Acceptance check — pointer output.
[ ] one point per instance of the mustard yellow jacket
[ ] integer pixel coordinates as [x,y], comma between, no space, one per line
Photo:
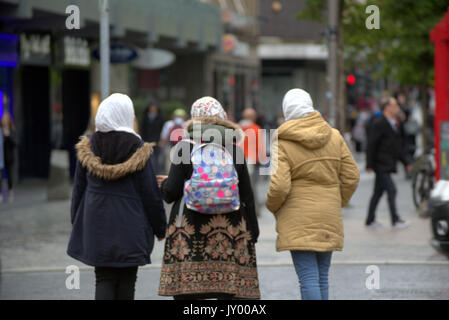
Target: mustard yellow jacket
[313,175]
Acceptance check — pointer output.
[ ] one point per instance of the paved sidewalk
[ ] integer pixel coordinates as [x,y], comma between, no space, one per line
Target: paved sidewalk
[34,234]
[347,282]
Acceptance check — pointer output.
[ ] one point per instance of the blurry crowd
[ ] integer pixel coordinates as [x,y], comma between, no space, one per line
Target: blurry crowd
[164,133]
[166,130]
[155,128]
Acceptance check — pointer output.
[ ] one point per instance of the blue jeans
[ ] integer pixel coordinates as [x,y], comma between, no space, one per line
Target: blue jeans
[312,269]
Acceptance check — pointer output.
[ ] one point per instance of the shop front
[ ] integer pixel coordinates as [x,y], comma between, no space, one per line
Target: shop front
[75,92]
[8,61]
[34,120]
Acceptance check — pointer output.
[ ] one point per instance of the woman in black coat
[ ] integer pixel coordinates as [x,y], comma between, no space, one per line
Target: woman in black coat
[209,255]
[116,204]
[150,130]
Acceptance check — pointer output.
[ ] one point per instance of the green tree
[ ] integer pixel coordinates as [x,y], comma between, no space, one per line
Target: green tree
[401,48]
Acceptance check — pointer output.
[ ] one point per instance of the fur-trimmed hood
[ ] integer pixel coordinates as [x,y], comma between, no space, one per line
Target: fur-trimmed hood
[116,171]
[239,133]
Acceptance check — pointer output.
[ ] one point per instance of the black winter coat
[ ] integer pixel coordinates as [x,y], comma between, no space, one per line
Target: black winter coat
[150,130]
[384,147]
[116,208]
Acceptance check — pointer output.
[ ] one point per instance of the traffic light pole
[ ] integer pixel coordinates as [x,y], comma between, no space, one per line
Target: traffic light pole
[333,60]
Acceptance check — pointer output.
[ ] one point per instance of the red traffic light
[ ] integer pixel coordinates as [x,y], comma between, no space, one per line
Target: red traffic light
[350,79]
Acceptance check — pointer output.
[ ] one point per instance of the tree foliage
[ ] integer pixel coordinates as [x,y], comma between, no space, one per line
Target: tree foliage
[400,48]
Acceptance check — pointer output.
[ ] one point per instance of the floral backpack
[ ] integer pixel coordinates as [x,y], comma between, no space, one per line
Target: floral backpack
[213,186]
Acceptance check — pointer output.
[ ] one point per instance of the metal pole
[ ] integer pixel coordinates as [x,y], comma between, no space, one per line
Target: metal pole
[104,47]
[333,60]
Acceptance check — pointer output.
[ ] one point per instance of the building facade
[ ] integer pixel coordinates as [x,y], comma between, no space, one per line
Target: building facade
[50,74]
[293,55]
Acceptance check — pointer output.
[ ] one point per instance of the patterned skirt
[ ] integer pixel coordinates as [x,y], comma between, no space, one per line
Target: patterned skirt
[209,256]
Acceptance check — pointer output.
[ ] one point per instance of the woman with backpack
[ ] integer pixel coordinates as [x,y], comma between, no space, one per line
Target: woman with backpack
[210,241]
[314,176]
[116,204]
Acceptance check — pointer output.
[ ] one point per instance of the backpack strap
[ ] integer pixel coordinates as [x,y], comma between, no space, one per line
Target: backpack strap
[182,203]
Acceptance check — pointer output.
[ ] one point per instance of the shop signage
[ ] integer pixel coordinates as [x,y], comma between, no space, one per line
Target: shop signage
[35,49]
[229,42]
[232,45]
[76,52]
[120,53]
[8,50]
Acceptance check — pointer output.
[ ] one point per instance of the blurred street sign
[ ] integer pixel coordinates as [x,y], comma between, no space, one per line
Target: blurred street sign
[119,53]
[232,45]
[152,58]
[229,42]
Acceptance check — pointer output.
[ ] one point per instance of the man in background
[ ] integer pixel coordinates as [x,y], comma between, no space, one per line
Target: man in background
[171,134]
[383,151]
[150,131]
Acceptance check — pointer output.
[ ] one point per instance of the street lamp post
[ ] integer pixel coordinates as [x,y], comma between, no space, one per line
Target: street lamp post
[104,47]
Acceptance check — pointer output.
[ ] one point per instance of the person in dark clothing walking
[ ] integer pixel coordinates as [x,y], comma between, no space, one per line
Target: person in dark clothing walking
[150,130]
[376,114]
[209,255]
[383,152]
[116,207]
[9,145]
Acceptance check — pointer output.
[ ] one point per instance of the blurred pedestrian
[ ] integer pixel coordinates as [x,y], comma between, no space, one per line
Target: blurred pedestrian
[265,138]
[150,130]
[9,149]
[116,204]
[409,129]
[280,119]
[172,133]
[173,129]
[313,176]
[376,113]
[253,147]
[384,150]
[210,255]
[359,132]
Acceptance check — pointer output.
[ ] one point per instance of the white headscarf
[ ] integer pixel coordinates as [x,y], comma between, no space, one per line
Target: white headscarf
[115,113]
[297,104]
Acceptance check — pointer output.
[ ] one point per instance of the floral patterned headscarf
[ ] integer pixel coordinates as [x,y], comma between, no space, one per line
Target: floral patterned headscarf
[208,107]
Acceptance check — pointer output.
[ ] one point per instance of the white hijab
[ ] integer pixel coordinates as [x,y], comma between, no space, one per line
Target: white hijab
[116,113]
[296,104]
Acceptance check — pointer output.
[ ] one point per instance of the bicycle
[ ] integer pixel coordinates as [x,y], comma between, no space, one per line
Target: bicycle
[423,177]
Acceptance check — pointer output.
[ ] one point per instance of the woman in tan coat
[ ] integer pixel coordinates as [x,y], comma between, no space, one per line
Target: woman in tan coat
[313,176]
